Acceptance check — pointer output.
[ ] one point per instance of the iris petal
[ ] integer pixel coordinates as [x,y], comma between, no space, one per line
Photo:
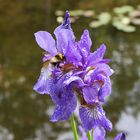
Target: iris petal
[96,56]
[84,45]
[121,136]
[65,38]
[90,94]
[99,133]
[46,42]
[65,101]
[94,116]
[44,81]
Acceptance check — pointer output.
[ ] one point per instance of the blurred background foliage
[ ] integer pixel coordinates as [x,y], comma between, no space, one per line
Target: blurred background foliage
[24,113]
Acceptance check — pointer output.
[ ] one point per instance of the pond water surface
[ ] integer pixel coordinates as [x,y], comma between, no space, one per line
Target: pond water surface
[24,114]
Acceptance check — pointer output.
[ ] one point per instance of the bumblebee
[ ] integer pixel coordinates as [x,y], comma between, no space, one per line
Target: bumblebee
[56,60]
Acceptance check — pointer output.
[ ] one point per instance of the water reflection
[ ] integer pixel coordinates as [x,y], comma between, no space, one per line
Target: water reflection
[24,113]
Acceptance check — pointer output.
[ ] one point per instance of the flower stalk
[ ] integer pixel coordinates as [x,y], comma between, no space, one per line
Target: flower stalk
[89,135]
[74,128]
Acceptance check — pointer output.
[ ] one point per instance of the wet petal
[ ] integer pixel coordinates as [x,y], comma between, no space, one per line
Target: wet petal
[65,38]
[46,42]
[84,45]
[96,56]
[94,116]
[99,133]
[65,105]
[121,136]
[73,54]
[44,81]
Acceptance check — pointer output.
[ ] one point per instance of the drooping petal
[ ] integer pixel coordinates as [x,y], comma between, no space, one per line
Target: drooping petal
[121,136]
[44,81]
[64,99]
[66,102]
[94,116]
[84,45]
[99,133]
[96,56]
[46,42]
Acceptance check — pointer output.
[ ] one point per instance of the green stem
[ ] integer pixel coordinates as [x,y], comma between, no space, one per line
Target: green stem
[74,129]
[92,138]
[88,135]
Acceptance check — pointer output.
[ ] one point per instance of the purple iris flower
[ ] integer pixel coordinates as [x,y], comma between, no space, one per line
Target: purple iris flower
[93,116]
[63,97]
[78,72]
[99,133]
[84,135]
[64,46]
[94,84]
[121,136]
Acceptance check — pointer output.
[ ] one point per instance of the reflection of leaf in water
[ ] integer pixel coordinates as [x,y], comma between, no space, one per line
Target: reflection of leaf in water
[125,20]
[95,24]
[138,7]
[59,19]
[104,17]
[135,17]
[76,12]
[123,27]
[123,9]
[88,13]
[59,13]
[136,21]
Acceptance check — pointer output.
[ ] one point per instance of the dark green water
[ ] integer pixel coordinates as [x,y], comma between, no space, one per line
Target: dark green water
[24,115]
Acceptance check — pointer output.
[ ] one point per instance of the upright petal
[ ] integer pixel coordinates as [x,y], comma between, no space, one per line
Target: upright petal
[73,54]
[121,136]
[96,56]
[64,38]
[84,45]
[94,116]
[46,42]
[99,133]
[65,25]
